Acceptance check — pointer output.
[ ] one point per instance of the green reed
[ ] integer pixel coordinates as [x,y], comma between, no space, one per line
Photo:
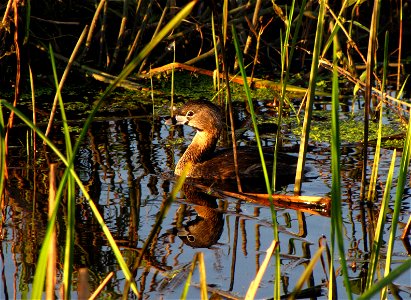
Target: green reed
[285,67]
[336,233]
[71,191]
[379,231]
[310,99]
[402,177]
[374,172]
[371,53]
[264,166]
[198,259]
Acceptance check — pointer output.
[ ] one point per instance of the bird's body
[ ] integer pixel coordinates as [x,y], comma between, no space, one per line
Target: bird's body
[206,163]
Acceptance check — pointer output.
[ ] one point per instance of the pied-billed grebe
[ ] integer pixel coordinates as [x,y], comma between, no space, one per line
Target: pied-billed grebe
[207,119]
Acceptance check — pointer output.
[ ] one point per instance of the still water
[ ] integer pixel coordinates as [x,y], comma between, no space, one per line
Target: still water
[127,165]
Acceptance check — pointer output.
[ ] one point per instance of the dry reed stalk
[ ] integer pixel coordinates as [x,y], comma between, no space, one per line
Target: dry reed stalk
[202,271]
[33,104]
[399,49]
[93,26]
[257,48]
[253,31]
[52,255]
[101,286]
[327,64]
[407,229]
[18,70]
[252,290]
[63,79]
[139,34]
[121,33]
[160,22]
[83,287]
[7,11]
[226,77]
[103,45]
[372,44]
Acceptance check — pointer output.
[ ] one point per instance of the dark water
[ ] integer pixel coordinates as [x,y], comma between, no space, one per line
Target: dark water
[127,165]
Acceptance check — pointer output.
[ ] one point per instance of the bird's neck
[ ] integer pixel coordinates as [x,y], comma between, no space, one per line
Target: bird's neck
[200,149]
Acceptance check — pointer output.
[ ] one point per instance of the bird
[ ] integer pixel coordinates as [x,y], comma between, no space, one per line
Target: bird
[203,161]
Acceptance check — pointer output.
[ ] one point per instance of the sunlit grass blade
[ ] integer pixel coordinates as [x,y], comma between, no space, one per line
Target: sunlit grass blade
[71,191]
[386,280]
[371,53]
[374,172]
[198,258]
[264,166]
[203,277]
[216,76]
[252,289]
[285,64]
[101,286]
[188,280]
[336,211]
[307,272]
[379,231]
[310,99]
[52,253]
[402,177]
[401,92]
[251,108]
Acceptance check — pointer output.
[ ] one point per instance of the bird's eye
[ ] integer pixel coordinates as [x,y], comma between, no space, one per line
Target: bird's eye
[190,113]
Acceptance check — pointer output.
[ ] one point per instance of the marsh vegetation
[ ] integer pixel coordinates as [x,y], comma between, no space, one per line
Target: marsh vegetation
[90,206]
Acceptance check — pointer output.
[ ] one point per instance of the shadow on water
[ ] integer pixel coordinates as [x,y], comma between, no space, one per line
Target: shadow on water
[126,164]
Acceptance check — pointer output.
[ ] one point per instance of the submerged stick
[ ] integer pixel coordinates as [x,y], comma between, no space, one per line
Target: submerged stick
[317,205]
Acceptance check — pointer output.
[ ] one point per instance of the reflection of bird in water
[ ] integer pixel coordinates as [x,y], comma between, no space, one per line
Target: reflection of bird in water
[206,229]
[207,119]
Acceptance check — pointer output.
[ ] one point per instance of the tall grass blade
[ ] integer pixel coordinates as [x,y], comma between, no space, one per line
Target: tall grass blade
[52,257]
[385,281]
[71,191]
[399,64]
[260,151]
[217,68]
[310,99]
[285,65]
[304,277]
[252,289]
[251,107]
[379,231]
[64,77]
[203,277]
[336,212]
[372,44]
[374,172]
[188,280]
[402,177]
